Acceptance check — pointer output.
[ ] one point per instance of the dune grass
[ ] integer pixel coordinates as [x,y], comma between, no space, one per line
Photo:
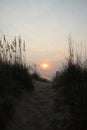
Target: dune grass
[14,78]
[73,81]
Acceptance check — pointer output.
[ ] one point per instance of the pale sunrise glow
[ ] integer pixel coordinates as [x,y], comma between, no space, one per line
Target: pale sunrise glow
[44,66]
[45,26]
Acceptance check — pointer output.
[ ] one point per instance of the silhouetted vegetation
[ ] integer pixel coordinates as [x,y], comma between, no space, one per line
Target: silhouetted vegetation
[37,76]
[14,77]
[72,81]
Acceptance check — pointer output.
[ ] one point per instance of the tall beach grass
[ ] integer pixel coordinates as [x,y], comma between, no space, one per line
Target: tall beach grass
[73,81]
[14,77]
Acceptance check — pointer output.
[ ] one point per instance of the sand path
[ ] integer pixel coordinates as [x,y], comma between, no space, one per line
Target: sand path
[35,111]
[43,109]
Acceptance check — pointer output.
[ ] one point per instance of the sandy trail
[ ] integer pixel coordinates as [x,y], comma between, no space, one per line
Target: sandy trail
[35,111]
[43,109]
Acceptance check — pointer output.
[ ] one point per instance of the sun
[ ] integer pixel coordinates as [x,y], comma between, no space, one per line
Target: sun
[44,66]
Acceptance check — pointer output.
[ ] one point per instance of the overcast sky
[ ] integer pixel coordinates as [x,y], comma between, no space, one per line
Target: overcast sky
[45,25]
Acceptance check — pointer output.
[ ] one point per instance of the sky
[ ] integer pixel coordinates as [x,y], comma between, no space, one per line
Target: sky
[45,26]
